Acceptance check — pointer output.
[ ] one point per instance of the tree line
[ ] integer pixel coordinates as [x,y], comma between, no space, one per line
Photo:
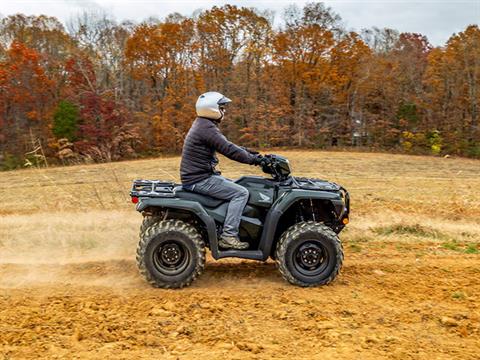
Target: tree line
[100,90]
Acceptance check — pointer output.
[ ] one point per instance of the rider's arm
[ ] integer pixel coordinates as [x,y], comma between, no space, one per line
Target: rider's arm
[220,143]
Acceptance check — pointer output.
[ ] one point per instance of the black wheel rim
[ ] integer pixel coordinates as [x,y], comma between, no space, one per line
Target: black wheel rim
[310,258]
[171,257]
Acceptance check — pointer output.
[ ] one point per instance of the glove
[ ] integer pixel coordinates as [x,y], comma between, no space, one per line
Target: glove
[258,160]
[261,161]
[265,161]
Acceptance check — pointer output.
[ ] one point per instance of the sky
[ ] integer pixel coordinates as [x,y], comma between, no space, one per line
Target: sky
[437,19]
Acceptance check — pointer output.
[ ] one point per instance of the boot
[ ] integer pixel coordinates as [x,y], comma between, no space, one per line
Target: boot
[232,242]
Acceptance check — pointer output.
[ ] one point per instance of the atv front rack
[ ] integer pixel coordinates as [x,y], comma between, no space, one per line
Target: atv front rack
[152,188]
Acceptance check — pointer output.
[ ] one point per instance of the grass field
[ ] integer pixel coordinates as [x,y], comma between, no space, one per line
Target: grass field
[409,288]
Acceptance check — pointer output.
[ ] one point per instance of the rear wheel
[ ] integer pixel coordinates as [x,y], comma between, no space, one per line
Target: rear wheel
[309,254]
[170,254]
[149,220]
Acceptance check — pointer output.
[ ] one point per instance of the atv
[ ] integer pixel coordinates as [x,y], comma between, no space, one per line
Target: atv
[293,220]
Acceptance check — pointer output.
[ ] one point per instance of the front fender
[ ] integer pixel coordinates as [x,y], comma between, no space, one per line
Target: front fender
[283,203]
[289,198]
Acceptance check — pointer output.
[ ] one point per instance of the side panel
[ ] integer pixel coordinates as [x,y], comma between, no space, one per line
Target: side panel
[250,225]
[261,190]
[219,212]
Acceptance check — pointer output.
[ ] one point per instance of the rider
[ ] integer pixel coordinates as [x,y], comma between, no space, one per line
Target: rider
[197,169]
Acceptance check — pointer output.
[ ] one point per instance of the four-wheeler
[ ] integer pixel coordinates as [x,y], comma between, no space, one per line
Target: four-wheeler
[293,220]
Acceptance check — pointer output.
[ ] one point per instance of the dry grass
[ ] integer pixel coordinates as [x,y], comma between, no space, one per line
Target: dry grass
[76,211]
[437,187]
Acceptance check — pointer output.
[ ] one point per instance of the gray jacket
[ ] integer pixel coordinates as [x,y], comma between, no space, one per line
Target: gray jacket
[198,156]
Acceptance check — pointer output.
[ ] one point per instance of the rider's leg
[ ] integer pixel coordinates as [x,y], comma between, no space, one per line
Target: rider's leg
[221,188]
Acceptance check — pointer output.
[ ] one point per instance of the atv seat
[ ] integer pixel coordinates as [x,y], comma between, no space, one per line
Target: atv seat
[205,200]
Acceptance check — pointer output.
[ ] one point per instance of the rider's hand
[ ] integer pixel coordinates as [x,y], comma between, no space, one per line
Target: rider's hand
[261,161]
[265,161]
[258,160]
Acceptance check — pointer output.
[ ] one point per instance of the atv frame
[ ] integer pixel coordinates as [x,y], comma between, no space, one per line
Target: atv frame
[151,203]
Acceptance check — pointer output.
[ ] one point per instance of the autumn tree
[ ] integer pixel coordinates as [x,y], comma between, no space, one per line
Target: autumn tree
[350,58]
[26,97]
[106,130]
[44,34]
[453,79]
[105,85]
[160,58]
[302,55]
[103,40]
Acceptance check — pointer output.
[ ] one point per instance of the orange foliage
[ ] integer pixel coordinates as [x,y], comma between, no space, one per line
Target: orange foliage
[308,83]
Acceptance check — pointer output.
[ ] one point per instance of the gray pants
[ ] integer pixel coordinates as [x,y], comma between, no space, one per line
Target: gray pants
[219,187]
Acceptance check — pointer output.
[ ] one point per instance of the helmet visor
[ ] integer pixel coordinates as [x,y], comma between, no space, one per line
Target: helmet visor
[224,100]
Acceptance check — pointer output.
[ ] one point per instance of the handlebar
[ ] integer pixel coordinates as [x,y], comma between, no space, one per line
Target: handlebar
[271,166]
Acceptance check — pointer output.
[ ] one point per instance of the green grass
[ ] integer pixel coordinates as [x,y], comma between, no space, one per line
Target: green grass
[472,249]
[451,245]
[405,229]
[459,295]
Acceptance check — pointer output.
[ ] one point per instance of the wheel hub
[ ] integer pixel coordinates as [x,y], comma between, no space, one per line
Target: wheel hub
[171,257]
[310,257]
[171,254]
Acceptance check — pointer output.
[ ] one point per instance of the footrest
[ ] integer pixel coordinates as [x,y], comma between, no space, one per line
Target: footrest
[243,254]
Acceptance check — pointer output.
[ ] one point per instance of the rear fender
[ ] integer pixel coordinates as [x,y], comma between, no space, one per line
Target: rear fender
[190,206]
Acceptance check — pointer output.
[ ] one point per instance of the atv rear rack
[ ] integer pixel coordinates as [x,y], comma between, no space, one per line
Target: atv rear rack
[152,188]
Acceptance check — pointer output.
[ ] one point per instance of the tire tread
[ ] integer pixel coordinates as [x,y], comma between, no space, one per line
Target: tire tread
[161,226]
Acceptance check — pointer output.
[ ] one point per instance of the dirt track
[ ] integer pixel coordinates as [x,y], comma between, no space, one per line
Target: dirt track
[409,288]
[380,306]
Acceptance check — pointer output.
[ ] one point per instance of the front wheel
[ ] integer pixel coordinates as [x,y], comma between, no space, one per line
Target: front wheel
[309,254]
[170,254]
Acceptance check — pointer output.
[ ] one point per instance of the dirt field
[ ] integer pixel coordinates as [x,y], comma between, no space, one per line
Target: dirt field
[409,289]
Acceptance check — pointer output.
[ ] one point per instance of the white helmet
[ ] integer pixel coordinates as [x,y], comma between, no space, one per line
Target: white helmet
[209,105]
